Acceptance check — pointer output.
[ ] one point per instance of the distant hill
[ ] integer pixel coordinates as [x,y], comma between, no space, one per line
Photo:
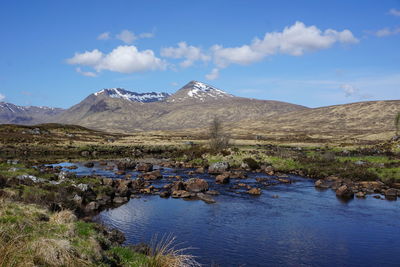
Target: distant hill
[193,106]
[362,120]
[28,115]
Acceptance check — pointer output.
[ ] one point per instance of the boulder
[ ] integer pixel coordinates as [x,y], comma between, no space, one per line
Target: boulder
[344,192]
[123,187]
[222,179]
[144,167]
[238,175]
[77,199]
[83,187]
[323,184]
[165,194]
[269,170]
[177,186]
[103,200]
[360,194]
[218,167]
[196,185]
[126,164]
[181,194]
[391,194]
[153,175]
[254,191]
[89,164]
[92,206]
[64,175]
[119,200]
[200,170]
[108,181]
[205,198]
[212,192]
[374,186]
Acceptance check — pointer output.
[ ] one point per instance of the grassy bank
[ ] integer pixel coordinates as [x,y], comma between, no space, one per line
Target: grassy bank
[41,225]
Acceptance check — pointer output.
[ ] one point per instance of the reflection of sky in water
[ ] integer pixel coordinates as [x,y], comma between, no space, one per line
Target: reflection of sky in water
[303,227]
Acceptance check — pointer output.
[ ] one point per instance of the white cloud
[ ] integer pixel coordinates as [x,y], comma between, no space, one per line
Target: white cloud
[294,40]
[129,37]
[104,36]
[126,36]
[349,90]
[387,32]
[88,58]
[394,12]
[2,97]
[174,84]
[124,59]
[85,73]
[128,59]
[190,53]
[214,74]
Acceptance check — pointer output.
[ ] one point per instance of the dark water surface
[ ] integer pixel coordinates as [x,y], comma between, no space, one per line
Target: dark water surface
[302,227]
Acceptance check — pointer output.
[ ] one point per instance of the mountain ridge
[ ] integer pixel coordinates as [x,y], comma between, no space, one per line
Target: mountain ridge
[194,105]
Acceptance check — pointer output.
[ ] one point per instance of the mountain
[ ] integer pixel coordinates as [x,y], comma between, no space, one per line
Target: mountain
[10,113]
[368,120]
[193,106]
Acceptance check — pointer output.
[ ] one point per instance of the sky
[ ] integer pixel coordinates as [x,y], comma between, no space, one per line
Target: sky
[307,52]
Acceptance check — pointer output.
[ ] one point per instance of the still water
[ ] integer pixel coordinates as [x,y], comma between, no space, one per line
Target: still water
[288,225]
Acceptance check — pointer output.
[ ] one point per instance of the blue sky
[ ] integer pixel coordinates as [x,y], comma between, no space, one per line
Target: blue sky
[313,53]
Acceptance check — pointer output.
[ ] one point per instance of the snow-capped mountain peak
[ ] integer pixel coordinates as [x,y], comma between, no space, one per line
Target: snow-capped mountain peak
[132,96]
[199,91]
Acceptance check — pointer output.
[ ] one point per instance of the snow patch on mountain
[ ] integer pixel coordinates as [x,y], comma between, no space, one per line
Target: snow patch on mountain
[132,96]
[202,90]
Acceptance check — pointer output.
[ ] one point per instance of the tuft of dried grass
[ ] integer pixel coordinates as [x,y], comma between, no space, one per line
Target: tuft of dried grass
[165,253]
[63,217]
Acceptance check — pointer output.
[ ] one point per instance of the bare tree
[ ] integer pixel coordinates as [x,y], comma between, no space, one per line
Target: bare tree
[218,138]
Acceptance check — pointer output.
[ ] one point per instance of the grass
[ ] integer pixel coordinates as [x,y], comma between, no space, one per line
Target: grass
[128,257]
[369,159]
[29,237]
[33,236]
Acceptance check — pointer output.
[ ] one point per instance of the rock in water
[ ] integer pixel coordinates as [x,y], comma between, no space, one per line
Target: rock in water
[126,164]
[254,191]
[391,194]
[196,185]
[144,167]
[218,167]
[206,198]
[344,192]
[222,179]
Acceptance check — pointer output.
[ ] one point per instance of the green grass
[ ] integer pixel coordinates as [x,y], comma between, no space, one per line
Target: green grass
[387,173]
[84,229]
[369,159]
[284,164]
[129,258]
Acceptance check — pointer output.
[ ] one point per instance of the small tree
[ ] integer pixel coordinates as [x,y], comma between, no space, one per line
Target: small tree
[218,138]
[397,123]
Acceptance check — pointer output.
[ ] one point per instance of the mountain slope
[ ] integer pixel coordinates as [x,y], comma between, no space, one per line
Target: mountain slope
[10,113]
[193,106]
[365,120]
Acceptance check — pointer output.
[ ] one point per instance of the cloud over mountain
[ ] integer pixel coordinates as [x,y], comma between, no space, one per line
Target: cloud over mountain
[124,59]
